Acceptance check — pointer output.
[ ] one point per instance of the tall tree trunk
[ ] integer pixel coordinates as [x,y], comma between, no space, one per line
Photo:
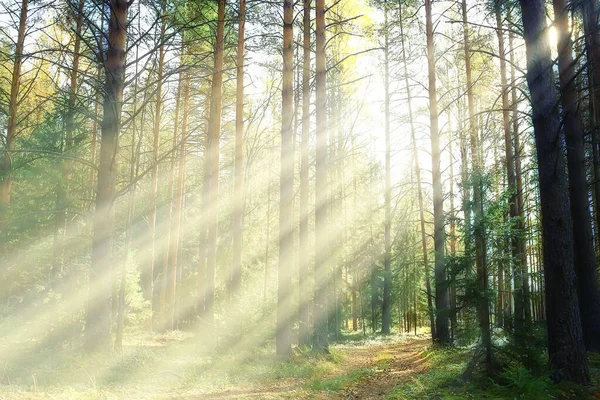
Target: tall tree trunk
[11,129]
[589,10]
[63,192]
[418,176]
[386,306]
[320,342]
[99,313]
[520,276]
[176,228]
[158,275]
[565,340]
[214,134]
[442,330]
[510,173]
[303,285]
[483,307]
[583,242]
[238,196]
[283,339]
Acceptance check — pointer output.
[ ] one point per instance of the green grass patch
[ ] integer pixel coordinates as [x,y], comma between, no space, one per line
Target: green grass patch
[442,381]
[338,382]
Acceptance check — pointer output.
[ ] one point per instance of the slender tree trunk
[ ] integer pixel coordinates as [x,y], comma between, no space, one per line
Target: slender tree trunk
[157,274]
[387,274]
[592,35]
[583,242]
[442,330]
[566,349]
[176,228]
[510,175]
[98,319]
[11,129]
[214,134]
[483,308]
[418,176]
[238,197]
[304,312]
[203,239]
[320,342]
[521,278]
[283,340]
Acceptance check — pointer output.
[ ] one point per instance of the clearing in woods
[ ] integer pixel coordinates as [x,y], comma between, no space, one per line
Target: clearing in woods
[173,366]
[366,370]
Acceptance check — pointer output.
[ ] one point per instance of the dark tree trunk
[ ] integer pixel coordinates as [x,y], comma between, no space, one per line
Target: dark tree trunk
[99,311]
[568,360]
[583,242]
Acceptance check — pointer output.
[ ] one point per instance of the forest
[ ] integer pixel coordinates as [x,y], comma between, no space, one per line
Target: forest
[347,199]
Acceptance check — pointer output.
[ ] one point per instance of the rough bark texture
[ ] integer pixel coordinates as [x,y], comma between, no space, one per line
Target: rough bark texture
[99,312]
[583,242]
[566,349]
[442,330]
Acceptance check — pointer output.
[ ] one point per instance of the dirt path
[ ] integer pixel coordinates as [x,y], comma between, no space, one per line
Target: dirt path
[388,364]
[392,363]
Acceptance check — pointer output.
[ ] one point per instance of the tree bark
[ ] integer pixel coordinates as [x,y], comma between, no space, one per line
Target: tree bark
[283,339]
[304,312]
[99,313]
[386,306]
[11,129]
[583,242]
[320,342]
[238,196]
[442,330]
[419,185]
[568,360]
[214,134]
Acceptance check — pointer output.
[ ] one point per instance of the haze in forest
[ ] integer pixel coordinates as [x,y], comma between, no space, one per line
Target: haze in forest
[299,199]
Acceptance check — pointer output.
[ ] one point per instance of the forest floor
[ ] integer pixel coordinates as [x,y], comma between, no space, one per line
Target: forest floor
[173,366]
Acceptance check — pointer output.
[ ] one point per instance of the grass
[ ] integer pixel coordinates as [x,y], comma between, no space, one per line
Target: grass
[445,366]
[159,366]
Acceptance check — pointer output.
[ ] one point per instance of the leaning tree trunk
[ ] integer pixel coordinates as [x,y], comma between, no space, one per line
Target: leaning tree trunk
[568,360]
[583,242]
[99,311]
[442,330]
